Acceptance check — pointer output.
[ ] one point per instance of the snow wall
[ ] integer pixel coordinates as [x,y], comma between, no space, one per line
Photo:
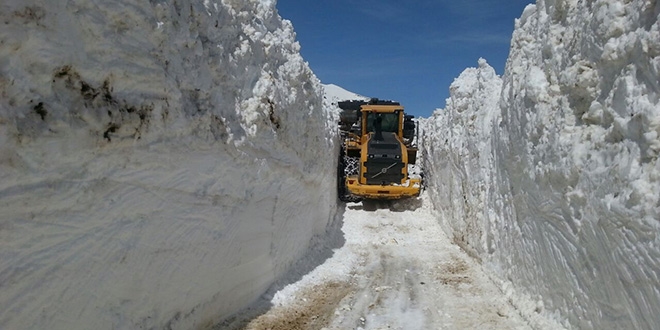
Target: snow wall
[161,162]
[550,174]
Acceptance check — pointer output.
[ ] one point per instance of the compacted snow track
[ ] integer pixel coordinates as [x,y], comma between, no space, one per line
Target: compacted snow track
[396,270]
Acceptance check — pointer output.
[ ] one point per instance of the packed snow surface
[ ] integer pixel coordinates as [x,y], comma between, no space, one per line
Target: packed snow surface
[161,163]
[397,269]
[550,175]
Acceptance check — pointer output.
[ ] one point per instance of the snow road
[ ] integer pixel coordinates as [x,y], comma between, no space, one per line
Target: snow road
[396,270]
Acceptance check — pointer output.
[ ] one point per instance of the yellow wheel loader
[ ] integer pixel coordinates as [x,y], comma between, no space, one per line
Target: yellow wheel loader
[378,152]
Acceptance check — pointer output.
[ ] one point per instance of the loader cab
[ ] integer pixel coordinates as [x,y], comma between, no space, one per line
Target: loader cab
[382,119]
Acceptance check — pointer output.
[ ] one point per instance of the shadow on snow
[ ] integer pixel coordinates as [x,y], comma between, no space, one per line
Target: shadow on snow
[402,205]
[321,249]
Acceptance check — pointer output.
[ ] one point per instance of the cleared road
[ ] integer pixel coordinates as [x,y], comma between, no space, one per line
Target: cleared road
[396,270]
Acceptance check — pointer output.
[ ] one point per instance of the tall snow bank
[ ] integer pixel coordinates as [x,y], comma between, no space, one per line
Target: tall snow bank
[457,153]
[559,188]
[161,163]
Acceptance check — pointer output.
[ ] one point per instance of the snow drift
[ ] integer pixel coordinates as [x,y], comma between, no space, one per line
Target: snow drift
[161,163]
[558,188]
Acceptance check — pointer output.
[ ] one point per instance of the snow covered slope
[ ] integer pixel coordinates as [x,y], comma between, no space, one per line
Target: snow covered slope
[161,163]
[558,188]
[334,93]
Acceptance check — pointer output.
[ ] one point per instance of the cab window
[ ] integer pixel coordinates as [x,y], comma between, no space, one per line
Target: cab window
[389,121]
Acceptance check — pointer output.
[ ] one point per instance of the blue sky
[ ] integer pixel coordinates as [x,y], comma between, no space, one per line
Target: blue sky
[408,51]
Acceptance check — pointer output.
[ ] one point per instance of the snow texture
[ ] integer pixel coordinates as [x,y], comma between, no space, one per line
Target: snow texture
[550,175]
[161,163]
